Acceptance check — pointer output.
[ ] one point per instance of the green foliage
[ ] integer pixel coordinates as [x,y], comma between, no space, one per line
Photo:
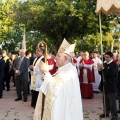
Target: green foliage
[91,41]
[9,30]
[53,20]
[59,19]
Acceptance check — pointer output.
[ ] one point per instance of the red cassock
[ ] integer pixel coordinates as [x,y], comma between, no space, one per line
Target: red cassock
[87,79]
[74,60]
[116,60]
[75,63]
[51,61]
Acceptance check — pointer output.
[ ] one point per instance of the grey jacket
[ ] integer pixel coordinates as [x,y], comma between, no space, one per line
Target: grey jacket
[23,68]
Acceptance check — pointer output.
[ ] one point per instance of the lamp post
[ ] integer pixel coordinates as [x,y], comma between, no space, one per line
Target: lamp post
[24,38]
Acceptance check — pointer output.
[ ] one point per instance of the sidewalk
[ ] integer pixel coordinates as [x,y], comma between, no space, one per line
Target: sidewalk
[92,108]
[12,110]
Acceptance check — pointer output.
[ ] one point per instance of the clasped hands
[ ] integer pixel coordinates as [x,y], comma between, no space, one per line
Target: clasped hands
[100,66]
[17,72]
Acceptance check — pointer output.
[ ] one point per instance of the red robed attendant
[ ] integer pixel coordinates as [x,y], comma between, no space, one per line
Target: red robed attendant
[86,76]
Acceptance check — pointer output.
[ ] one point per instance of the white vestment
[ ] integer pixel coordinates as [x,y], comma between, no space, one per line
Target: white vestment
[62,96]
[78,64]
[85,67]
[36,76]
[97,75]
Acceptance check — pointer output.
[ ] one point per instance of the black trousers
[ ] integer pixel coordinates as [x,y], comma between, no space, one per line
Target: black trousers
[13,78]
[6,79]
[34,97]
[24,84]
[29,81]
[1,87]
[110,105]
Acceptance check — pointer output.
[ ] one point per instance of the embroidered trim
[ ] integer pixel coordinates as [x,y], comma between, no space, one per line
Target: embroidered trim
[50,97]
[34,75]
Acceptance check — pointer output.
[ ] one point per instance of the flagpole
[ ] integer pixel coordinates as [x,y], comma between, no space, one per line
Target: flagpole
[104,102]
[101,34]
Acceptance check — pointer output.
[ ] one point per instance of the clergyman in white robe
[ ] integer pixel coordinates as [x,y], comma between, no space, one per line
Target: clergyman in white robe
[62,96]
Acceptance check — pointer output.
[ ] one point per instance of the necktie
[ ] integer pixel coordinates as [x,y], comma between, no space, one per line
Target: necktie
[20,61]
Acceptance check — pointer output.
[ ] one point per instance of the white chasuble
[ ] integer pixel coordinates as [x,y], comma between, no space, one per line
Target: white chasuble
[62,96]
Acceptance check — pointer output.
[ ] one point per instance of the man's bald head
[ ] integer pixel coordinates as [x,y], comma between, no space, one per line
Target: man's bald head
[22,53]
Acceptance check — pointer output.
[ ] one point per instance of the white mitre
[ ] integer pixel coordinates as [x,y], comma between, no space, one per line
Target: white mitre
[66,47]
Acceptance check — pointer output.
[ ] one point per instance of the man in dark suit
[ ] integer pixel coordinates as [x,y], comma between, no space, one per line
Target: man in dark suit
[6,77]
[31,59]
[20,67]
[109,72]
[2,65]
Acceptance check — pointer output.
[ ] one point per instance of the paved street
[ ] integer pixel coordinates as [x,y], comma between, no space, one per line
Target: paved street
[11,110]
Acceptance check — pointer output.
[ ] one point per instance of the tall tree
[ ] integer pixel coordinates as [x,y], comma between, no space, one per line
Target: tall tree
[60,19]
[51,20]
[9,30]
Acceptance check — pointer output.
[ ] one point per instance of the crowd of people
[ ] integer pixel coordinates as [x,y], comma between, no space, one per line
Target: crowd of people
[66,78]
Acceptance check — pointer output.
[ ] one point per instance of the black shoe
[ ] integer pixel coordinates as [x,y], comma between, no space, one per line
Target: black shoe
[97,92]
[17,99]
[103,115]
[32,105]
[118,111]
[25,100]
[114,119]
[0,97]
[8,90]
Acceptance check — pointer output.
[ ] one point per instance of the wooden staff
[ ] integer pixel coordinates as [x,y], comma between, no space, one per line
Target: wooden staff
[45,45]
[43,96]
